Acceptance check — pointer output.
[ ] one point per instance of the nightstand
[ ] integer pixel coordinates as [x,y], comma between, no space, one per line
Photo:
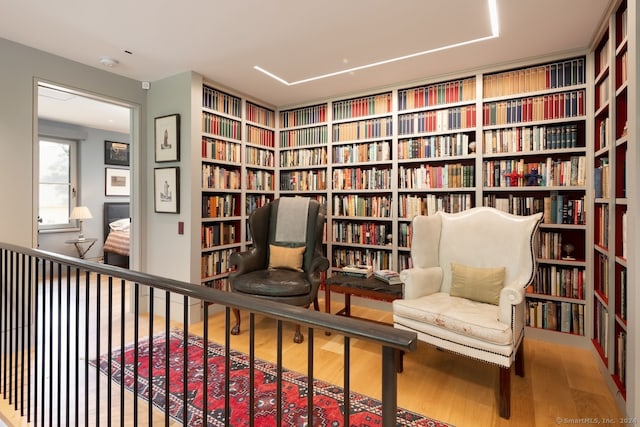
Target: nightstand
[82,245]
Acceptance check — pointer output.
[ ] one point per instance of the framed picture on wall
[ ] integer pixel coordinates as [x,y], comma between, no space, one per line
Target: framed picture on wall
[166,189]
[167,137]
[117,182]
[116,153]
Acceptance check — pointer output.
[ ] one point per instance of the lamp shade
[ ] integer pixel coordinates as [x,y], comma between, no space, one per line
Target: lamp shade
[81,212]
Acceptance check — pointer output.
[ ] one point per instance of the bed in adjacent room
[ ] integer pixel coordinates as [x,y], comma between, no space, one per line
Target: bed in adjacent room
[117,223]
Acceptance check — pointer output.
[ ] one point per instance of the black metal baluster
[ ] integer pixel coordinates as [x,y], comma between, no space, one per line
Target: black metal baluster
[136,325]
[205,366]
[21,321]
[279,373]
[9,331]
[185,361]
[389,386]
[50,347]
[150,392]
[122,370]
[87,294]
[347,387]
[77,348]
[227,366]
[58,347]
[252,370]
[3,336]
[36,346]
[109,345]
[27,343]
[67,355]
[310,375]
[167,348]
[98,310]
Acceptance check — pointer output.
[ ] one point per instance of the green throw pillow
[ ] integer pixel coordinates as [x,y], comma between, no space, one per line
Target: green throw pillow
[477,284]
[285,257]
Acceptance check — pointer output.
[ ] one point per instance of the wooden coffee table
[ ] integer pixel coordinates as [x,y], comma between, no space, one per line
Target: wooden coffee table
[360,287]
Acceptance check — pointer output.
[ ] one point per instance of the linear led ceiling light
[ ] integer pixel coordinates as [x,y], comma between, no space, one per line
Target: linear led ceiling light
[495,32]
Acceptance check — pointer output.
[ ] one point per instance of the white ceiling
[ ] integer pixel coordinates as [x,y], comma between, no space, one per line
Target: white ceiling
[297,40]
[68,107]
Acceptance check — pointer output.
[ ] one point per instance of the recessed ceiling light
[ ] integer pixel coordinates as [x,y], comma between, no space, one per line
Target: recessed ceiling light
[495,32]
[108,62]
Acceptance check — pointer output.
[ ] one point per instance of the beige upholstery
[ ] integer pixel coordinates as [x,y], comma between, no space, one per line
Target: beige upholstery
[480,237]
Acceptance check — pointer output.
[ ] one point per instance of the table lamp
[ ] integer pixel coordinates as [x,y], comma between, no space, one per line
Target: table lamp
[81,213]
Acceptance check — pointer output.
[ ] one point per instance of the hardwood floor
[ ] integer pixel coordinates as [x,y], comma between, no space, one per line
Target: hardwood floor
[560,383]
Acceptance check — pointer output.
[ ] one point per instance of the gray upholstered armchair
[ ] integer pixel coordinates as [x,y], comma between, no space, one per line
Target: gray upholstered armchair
[286,259]
[465,292]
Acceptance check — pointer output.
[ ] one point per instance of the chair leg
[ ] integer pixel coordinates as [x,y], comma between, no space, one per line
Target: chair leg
[520,360]
[236,328]
[316,305]
[505,392]
[298,337]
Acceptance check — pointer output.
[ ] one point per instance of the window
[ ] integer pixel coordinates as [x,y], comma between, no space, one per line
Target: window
[57,180]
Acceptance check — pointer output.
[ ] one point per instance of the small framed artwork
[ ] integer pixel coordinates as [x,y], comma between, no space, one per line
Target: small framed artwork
[167,136]
[166,189]
[117,182]
[116,153]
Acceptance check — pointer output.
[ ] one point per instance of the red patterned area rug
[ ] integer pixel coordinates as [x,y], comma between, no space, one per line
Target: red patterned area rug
[328,410]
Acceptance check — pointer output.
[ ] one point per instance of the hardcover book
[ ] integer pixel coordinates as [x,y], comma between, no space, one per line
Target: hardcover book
[357,270]
[390,277]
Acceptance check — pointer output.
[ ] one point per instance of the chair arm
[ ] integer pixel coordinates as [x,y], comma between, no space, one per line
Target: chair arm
[245,262]
[510,295]
[421,281]
[319,264]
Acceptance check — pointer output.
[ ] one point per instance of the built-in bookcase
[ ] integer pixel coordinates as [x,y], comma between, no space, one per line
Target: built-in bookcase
[221,227]
[303,152]
[435,154]
[259,157]
[611,144]
[238,175]
[534,159]
[303,157]
[361,214]
[552,136]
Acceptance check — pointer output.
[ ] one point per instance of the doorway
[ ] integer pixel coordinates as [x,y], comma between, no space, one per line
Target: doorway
[84,155]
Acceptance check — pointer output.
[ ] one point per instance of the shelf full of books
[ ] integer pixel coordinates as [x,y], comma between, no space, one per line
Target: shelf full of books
[612,144]
[238,174]
[534,159]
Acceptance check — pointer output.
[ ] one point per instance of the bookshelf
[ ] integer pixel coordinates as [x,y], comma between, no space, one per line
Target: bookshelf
[238,175]
[534,159]
[259,165]
[611,148]
[221,167]
[377,159]
[361,215]
[303,152]
[436,153]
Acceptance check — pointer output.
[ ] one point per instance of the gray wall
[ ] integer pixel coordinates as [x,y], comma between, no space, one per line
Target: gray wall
[21,66]
[174,252]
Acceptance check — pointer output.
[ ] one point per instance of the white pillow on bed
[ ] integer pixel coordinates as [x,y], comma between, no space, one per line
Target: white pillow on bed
[120,225]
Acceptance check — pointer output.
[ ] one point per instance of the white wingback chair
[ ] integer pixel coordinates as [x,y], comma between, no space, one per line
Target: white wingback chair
[465,292]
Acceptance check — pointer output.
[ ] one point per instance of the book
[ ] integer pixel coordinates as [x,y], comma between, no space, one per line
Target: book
[390,277]
[357,270]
